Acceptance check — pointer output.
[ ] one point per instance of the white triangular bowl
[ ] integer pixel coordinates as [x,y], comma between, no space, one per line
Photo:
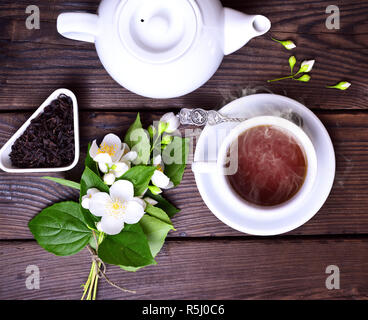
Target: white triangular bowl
[5,162]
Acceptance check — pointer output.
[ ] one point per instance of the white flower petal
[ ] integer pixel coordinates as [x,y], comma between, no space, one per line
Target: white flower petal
[117,156]
[86,198]
[122,190]
[169,186]
[120,168]
[133,212]
[98,226]
[103,158]
[130,156]
[112,140]
[92,191]
[98,203]
[109,178]
[111,224]
[172,120]
[141,202]
[104,167]
[159,179]
[151,201]
[85,202]
[125,148]
[157,160]
[93,149]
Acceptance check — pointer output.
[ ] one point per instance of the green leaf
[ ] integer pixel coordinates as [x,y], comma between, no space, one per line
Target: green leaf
[140,176]
[61,229]
[304,78]
[90,163]
[137,124]
[158,213]
[156,231]
[64,182]
[292,62]
[129,248]
[139,141]
[163,204]
[91,180]
[175,159]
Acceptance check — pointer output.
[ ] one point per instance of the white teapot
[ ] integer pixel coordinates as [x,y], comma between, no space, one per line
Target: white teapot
[162,48]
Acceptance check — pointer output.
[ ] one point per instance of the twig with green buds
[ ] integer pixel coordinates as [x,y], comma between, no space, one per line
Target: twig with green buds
[305,67]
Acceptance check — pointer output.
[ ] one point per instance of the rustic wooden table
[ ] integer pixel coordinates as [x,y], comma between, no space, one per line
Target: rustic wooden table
[203,259]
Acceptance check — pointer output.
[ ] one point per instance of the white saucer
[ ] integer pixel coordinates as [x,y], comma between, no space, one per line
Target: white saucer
[208,145]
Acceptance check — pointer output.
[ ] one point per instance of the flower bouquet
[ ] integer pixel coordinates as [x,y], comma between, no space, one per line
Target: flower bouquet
[121,217]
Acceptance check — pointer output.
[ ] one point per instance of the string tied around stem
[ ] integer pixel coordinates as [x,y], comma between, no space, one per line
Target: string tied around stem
[101,272]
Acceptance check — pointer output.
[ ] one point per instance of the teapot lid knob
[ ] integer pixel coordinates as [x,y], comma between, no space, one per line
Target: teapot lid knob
[158,31]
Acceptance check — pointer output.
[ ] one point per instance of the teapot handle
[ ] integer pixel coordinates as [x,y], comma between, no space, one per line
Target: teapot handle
[78,26]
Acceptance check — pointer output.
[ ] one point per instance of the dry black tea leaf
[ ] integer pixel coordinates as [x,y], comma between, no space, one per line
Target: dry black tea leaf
[48,142]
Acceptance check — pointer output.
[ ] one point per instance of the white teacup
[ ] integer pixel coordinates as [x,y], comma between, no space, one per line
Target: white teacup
[221,169]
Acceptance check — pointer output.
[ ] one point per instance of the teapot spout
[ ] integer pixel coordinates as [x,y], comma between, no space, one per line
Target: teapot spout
[239,28]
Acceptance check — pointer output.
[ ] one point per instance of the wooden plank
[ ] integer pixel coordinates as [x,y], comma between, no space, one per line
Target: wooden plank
[222,269]
[345,212]
[53,61]
[286,15]
[306,16]
[17,9]
[14,31]
[52,66]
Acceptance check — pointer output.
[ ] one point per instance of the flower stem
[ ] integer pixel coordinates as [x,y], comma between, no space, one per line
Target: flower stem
[94,277]
[283,78]
[95,286]
[90,288]
[155,142]
[86,285]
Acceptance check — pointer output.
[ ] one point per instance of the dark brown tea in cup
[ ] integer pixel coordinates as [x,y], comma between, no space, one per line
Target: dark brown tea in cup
[271,166]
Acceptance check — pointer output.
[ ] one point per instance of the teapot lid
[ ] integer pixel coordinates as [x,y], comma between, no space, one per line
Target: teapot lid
[158,31]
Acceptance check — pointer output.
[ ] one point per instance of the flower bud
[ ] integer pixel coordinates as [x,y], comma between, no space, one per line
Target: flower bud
[307,66]
[344,85]
[109,178]
[150,201]
[172,122]
[155,190]
[288,44]
[152,131]
[166,139]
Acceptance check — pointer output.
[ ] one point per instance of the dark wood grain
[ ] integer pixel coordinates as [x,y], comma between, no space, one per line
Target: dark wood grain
[203,259]
[52,66]
[286,15]
[23,196]
[44,57]
[238,269]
